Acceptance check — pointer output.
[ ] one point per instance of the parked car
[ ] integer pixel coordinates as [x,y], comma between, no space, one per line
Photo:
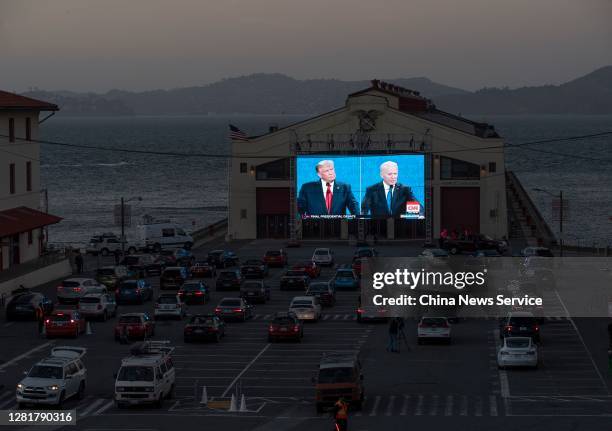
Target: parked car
[54,379]
[72,290]
[372,313]
[345,279]
[134,291]
[27,306]
[295,280]
[194,292]
[365,252]
[255,291]
[163,235]
[202,269]
[229,279]
[324,291]
[222,258]
[173,277]
[111,276]
[234,308]
[433,329]
[323,257]
[65,323]
[276,258]
[285,326]
[111,245]
[517,352]
[141,265]
[311,268]
[204,327]
[98,305]
[169,305]
[135,325]
[473,243]
[306,308]
[254,268]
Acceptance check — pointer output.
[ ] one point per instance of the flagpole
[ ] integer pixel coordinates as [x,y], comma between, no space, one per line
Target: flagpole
[229,188]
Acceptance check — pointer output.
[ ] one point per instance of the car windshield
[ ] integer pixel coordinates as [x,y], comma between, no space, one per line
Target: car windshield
[61,317]
[517,344]
[199,320]
[129,286]
[294,273]
[336,375]
[318,288]
[167,300]
[252,286]
[301,304]
[172,273]
[433,321]
[106,271]
[283,321]
[227,275]
[70,284]
[216,253]
[253,262]
[24,299]
[344,274]
[129,319]
[321,252]
[136,374]
[45,372]
[90,300]
[522,321]
[191,287]
[272,253]
[230,303]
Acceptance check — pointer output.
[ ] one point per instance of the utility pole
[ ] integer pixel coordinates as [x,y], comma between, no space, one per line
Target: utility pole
[561,223]
[122,227]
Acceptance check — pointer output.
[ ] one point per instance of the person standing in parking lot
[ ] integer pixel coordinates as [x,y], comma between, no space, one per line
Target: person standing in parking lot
[78,260]
[393,330]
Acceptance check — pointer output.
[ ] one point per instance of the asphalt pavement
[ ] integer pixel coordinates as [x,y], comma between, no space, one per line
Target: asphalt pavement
[434,386]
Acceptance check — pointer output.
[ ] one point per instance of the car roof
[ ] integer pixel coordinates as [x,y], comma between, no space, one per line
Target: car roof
[520,314]
[322,249]
[94,295]
[338,359]
[131,314]
[302,298]
[233,298]
[434,317]
[173,268]
[79,279]
[55,361]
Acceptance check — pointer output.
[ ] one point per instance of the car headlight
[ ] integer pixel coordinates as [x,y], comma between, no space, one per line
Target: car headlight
[53,388]
[19,386]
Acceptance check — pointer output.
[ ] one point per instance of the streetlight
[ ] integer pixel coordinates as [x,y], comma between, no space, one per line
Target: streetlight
[123,201]
[560,197]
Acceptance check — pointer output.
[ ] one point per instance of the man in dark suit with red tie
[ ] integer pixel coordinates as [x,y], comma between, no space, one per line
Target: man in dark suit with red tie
[326,196]
[387,198]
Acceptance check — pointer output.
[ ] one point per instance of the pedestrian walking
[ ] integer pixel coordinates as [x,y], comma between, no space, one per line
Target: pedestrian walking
[78,260]
[401,334]
[393,330]
[341,415]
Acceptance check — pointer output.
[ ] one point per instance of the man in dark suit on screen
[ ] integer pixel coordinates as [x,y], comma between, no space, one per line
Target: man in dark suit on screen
[326,196]
[388,198]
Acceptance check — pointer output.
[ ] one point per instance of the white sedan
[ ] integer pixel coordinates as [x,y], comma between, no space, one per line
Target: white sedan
[306,308]
[517,352]
[434,328]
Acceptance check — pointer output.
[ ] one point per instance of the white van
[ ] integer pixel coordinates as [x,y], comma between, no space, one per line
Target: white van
[147,376]
[163,235]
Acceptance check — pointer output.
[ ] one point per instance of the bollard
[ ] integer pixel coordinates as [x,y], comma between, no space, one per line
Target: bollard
[88,331]
[243,407]
[233,407]
[204,399]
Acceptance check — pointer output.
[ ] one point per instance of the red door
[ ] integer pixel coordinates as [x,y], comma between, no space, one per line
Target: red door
[460,208]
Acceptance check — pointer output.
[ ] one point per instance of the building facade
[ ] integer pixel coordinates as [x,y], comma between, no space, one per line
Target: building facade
[464,168]
[22,217]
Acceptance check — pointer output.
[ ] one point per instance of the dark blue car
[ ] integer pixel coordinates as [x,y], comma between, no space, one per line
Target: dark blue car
[134,292]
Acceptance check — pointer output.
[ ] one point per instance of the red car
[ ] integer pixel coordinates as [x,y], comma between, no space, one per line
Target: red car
[285,326]
[135,325]
[65,323]
[357,265]
[275,258]
[311,268]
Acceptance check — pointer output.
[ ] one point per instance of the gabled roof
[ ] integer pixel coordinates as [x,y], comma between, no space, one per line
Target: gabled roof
[12,101]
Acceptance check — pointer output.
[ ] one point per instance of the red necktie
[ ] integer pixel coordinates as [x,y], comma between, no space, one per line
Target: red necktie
[328,198]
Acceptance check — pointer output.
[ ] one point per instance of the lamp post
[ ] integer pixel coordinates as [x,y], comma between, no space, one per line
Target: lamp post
[123,201]
[560,197]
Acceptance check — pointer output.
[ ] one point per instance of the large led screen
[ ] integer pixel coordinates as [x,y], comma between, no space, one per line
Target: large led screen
[372,186]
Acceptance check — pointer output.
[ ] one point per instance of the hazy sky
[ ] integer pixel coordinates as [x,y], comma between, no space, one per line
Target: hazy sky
[146,44]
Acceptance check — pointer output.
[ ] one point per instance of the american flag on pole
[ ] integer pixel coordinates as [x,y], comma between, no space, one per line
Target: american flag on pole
[236,134]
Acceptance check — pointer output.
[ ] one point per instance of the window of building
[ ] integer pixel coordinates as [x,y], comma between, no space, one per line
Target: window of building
[453,169]
[243,168]
[29,176]
[28,127]
[492,167]
[11,130]
[29,237]
[12,178]
[275,170]
[243,213]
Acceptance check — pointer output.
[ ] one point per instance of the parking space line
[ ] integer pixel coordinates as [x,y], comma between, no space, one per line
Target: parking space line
[267,346]
[448,409]
[390,405]
[478,408]
[92,407]
[419,406]
[433,409]
[492,405]
[25,355]
[464,406]
[405,405]
[104,408]
[375,406]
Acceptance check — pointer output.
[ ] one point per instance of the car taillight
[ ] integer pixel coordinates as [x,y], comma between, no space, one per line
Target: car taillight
[237,310]
[508,328]
[47,321]
[217,310]
[199,293]
[536,328]
[421,325]
[445,325]
[296,328]
[71,320]
[359,310]
[76,289]
[271,328]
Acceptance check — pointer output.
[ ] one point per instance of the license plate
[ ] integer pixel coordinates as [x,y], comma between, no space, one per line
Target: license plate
[60,323]
[283,329]
[523,328]
[251,293]
[198,331]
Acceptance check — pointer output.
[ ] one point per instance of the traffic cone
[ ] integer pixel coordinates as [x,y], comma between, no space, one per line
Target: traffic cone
[43,331]
[243,407]
[204,399]
[88,331]
[233,407]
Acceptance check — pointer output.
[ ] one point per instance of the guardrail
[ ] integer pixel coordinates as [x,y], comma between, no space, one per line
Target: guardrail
[48,258]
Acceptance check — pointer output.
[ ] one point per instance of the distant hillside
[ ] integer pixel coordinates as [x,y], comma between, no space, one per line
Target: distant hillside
[279,94]
[590,94]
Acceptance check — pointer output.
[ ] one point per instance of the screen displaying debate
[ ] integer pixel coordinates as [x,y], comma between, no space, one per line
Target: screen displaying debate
[369,186]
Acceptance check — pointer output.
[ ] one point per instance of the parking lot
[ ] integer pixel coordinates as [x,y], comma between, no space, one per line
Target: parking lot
[433,382]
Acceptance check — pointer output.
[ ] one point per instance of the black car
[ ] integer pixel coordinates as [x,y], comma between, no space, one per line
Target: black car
[27,306]
[222,258]
[365,252]
[142,265]
[520,324]
[324,291]
[230,279]
[173,277]
[194,292]
[254,268]
[204,327]
[255,291]
[472,243]
[295,280]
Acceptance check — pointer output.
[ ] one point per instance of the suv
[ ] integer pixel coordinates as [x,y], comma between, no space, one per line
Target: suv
[340,375]
[147,376]
[111,276]
[170,305]
[230,279]
[54,379]
[173,277]
[323,256]
[100,305]
[106,246]
[73,289]
[275,258]
[222,258]
[141,265]
[520,324]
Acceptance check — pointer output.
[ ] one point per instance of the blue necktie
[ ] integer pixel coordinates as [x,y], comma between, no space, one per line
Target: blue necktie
[389,197]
